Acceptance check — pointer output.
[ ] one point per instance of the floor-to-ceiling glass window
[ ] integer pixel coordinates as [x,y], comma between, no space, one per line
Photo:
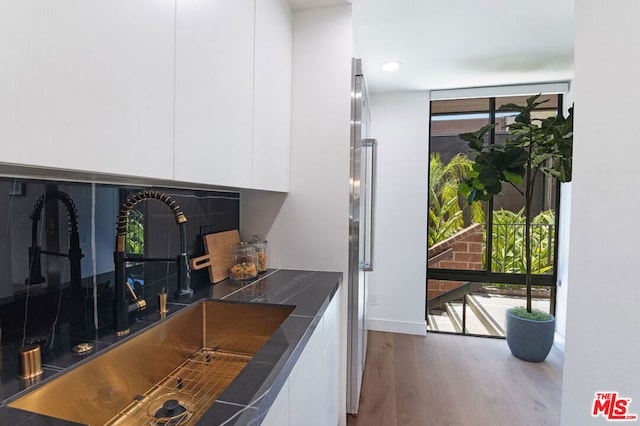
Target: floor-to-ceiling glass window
[476,266]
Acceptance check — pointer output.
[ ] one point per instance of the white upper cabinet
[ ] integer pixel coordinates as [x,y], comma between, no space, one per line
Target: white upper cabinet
[272,95]
[233,93]
[184,90]
[88,85]
[214,92]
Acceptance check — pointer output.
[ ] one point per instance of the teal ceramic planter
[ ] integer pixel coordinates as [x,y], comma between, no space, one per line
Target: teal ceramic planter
[530,340]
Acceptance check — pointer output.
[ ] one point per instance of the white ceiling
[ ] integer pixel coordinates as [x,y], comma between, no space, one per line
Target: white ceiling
[447,44]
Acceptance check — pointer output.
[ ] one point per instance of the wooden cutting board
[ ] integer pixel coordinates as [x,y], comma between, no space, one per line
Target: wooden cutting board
[219,254]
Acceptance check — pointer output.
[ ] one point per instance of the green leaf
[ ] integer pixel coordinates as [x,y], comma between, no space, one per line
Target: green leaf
[476,139]
[514,178]
[464,188]
[551,172]
[494,189]
[516,156]
[488,177]
[540,159]
[477,184]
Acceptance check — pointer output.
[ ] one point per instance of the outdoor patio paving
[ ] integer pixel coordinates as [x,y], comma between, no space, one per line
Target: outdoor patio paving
[490,308]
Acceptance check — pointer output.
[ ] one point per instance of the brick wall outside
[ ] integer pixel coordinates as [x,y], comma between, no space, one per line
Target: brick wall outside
[466,254]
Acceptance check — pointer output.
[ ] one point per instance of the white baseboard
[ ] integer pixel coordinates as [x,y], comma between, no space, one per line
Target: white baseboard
[404,327]
[558,342]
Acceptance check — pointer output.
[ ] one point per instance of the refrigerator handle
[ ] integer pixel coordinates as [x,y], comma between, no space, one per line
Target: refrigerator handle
[373,144]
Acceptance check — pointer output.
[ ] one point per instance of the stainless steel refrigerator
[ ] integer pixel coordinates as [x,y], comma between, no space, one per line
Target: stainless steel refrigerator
[361,225]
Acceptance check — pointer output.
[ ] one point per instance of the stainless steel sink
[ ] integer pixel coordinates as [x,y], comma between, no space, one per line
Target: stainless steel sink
[169,374]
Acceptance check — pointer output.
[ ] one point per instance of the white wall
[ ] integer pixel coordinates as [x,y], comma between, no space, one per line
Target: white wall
[602,341]
[400,122]
[309,227]
[562,287]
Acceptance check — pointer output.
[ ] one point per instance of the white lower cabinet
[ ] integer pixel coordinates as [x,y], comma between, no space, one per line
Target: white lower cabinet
[278,414]
[331,357]
[306,384]
[310,395]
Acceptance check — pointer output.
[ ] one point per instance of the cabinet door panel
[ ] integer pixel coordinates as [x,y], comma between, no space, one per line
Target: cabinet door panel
[278,414]
[214,91]
[88,85]
[306,384]
[311,394]
[332,381]
[272,95]
[331,360]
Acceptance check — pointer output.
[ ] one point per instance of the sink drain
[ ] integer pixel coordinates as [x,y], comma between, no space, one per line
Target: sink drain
[170,409]
[171,413]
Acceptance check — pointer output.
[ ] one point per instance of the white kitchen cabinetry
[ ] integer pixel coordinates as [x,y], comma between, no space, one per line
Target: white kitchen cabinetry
[331,362]
[311,393]
[306,384]
[272,95]
[214,92]
[233,93]
[278,414]
[191,91]
[88,85]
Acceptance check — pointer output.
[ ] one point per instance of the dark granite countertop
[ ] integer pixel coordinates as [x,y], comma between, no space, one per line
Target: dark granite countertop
[249,397]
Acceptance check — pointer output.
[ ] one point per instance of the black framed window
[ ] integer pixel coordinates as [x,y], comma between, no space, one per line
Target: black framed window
[477,248]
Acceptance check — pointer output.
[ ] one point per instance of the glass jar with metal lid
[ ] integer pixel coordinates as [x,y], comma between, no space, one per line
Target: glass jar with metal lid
[260,246]
[245,262]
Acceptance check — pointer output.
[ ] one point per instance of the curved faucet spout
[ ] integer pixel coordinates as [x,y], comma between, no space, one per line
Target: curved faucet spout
[137,198]
[74,254]
[121,306]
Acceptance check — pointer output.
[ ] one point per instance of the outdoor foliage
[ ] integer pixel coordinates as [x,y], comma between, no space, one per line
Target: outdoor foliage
[446,208]
[135,233]
[508,242]
[533,146]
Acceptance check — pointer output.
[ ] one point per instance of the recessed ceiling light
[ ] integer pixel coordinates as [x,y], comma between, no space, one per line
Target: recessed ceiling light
[390,66]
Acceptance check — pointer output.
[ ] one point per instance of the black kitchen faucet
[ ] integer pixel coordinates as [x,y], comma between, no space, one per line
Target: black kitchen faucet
[121,307]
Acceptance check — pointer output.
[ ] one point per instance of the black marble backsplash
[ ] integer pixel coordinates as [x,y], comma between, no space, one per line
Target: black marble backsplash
[41,294]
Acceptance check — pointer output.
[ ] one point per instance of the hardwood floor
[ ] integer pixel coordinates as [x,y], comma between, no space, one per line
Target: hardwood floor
[455,380]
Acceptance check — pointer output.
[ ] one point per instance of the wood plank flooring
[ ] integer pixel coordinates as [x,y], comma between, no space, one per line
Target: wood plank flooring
[443,379]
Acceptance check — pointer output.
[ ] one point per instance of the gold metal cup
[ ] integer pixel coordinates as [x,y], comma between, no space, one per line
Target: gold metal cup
[30,361]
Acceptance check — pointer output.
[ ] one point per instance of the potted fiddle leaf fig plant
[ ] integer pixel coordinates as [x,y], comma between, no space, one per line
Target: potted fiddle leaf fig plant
[533,146]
